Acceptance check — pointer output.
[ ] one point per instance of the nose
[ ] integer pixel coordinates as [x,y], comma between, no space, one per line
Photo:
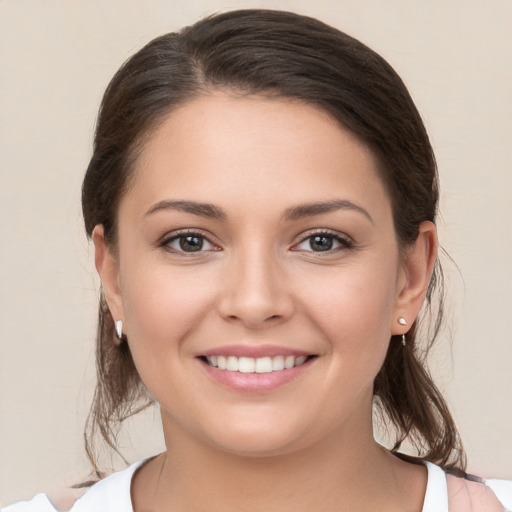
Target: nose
[255,291]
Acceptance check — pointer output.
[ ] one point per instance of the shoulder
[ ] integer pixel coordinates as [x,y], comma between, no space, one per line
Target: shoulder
[56,501]
[111,494]
[40,503]
[468,496]
[475,496]
[449,493]
[486,495]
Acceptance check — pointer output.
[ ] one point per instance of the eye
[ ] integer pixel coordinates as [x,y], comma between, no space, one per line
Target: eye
[189,242]
[323,242]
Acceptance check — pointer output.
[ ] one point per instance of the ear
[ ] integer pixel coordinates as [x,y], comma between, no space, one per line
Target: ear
[107,266]
[417,267]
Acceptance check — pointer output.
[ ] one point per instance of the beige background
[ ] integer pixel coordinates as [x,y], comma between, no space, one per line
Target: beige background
[56,57]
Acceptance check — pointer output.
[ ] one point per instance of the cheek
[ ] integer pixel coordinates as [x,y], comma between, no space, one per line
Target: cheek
[162,306]
[353,309]
[357,300]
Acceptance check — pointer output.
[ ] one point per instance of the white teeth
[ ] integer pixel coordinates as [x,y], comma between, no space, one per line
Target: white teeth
[232,364]
[255,365]
[289,362]
[246,364]
[277,363]
[263,365]
[300,360]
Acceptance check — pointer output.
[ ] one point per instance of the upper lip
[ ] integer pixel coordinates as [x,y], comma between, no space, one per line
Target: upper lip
[254,351]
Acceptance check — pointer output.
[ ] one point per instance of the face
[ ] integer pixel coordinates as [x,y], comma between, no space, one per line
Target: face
[258,274]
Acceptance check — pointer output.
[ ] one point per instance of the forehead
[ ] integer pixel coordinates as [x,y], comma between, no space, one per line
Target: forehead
[220,146]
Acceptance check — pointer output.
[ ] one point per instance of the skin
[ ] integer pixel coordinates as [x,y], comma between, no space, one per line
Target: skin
[308,444]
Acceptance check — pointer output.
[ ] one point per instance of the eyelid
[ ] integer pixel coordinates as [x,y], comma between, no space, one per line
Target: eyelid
[174,235]
[345,241]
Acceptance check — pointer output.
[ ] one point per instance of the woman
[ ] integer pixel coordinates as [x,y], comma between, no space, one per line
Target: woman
[262,200]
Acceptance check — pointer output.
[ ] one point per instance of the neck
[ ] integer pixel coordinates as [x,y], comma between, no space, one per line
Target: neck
[334,474]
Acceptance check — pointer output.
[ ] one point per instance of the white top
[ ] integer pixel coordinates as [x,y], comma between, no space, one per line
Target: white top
[112,494]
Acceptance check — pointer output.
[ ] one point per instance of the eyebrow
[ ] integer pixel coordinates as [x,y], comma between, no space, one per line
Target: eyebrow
[319,208]
[201,209]
[294,213]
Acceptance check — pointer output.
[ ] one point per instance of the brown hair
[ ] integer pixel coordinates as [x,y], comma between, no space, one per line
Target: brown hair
[276,54]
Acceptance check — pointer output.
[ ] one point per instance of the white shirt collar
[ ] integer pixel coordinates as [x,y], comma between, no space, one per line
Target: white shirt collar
[436,495]
[114,492]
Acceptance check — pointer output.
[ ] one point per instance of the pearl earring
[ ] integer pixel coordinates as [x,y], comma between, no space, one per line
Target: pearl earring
[402,321]
[119,329]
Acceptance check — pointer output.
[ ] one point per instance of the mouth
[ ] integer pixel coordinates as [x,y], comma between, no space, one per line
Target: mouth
[256,369]
[266,364]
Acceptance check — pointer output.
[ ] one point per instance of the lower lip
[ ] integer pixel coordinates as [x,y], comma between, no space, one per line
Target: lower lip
[255,382]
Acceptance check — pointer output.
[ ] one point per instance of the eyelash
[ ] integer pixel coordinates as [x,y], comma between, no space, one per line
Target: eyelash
[343,241]
[165,243]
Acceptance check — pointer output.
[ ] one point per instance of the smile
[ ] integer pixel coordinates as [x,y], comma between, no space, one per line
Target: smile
[255,365]
[258,370]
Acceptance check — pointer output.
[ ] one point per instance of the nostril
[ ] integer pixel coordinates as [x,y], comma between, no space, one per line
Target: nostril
[254,308]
